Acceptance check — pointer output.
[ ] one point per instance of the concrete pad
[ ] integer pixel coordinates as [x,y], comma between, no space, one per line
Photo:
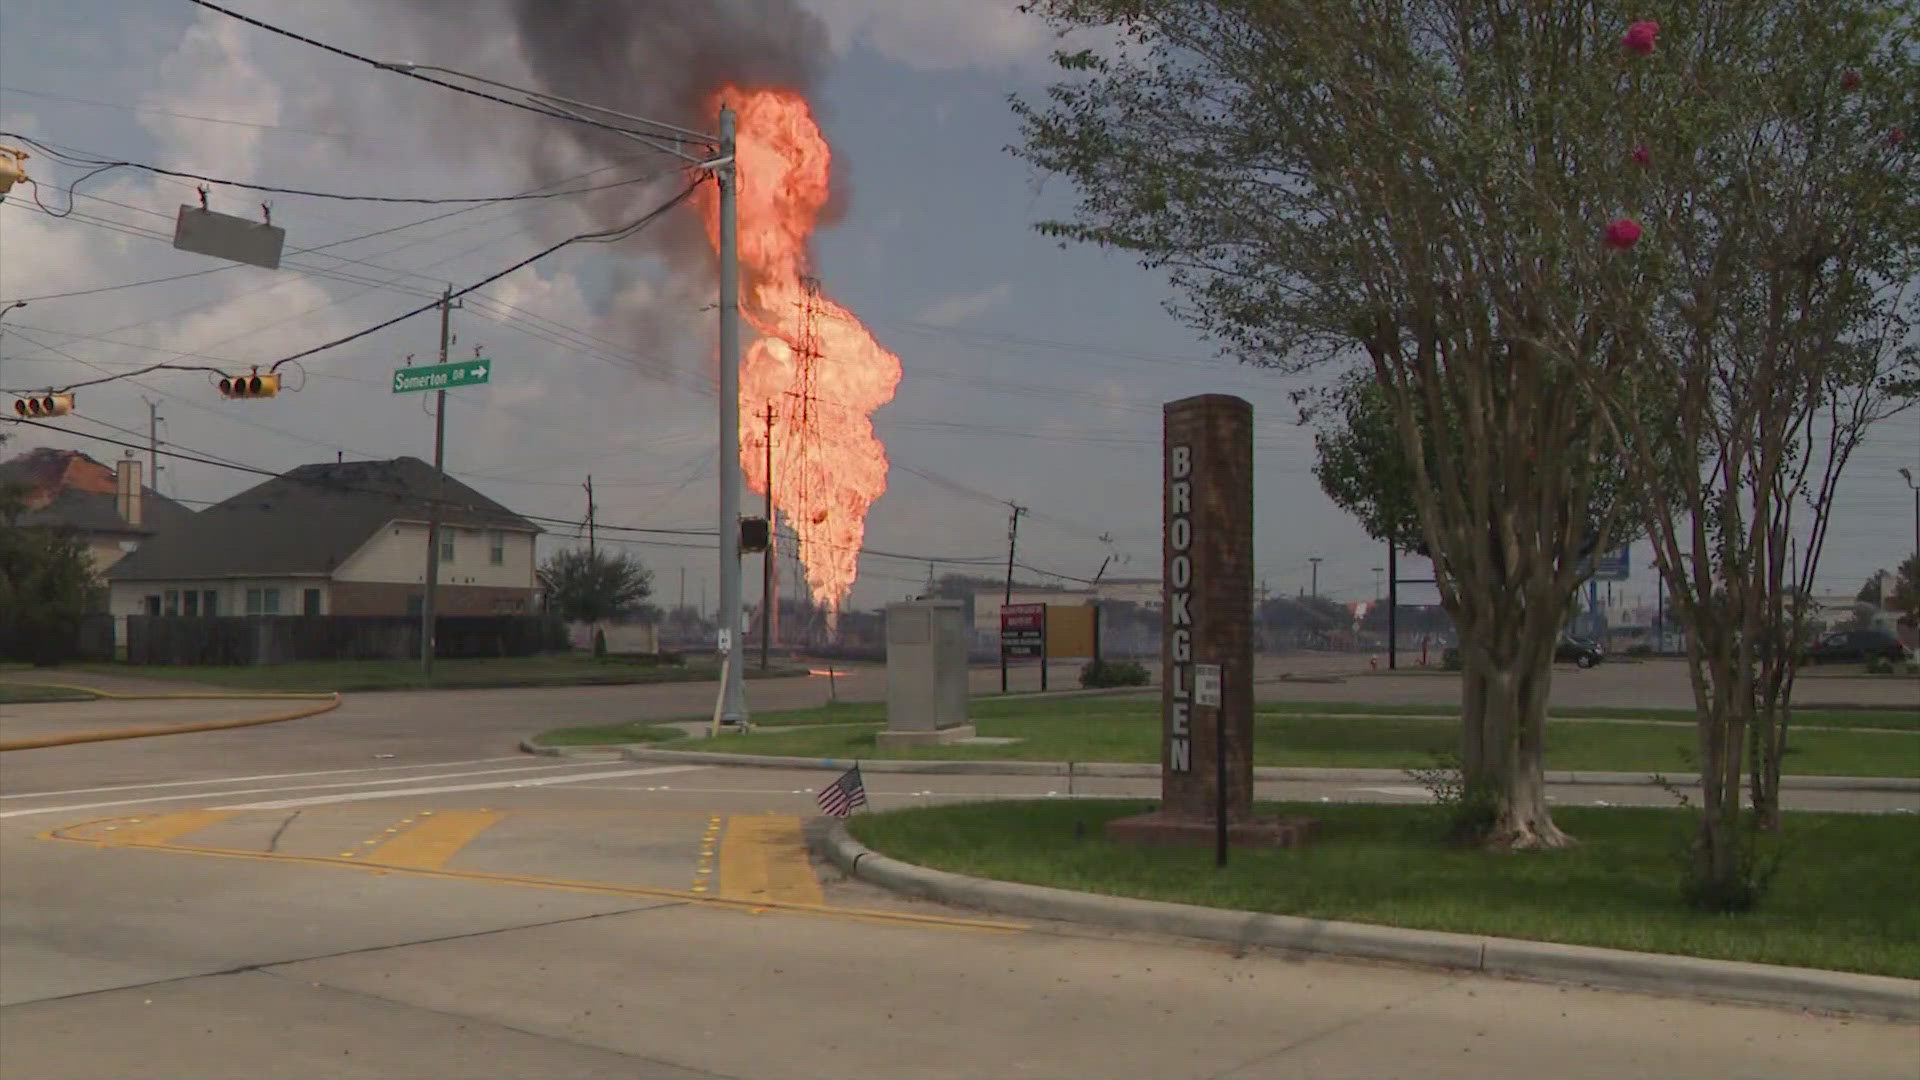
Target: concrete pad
[251,1025]
[658,849]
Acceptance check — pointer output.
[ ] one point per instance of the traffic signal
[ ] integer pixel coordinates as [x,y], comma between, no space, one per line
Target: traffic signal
[44,406]
[754,535]
[255,385]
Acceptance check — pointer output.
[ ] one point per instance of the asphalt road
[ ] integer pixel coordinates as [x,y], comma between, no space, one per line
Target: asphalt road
[391,890]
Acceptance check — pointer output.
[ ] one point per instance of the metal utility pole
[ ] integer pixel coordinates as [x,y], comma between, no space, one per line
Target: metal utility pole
[1907,475]
[733,690]
[1315,560]
[769,596]
[1377,571]
[433,504]
[1393,605]
[1013,538]
[592,545]
[153,442]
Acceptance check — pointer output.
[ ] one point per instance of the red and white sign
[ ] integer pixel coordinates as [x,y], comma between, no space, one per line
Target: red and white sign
[1023,630]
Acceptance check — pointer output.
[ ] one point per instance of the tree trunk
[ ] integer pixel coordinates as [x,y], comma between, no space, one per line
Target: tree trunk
[1503,749]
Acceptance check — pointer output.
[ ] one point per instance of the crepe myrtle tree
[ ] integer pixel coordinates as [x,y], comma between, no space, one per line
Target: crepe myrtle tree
[1412,185]
[1765,319]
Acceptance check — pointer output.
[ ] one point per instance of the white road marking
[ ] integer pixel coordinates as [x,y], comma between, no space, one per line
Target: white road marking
[256,779]
[323,800]
[268,790]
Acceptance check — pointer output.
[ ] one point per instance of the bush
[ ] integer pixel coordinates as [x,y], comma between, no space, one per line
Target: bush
[1451,660]
[1640,652]
[1880,665]
[1100,674]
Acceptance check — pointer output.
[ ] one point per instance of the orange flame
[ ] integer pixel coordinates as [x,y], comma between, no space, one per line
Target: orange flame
[815,364]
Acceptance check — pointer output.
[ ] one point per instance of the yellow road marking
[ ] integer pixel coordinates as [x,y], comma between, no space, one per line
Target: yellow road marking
[434,840]
[163,829]
[66,833]
[765,858]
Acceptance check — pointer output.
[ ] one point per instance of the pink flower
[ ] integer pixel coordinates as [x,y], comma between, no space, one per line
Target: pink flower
[1622,234]
[1640,35]
[1896,137]
[1641,155]
[1850,81]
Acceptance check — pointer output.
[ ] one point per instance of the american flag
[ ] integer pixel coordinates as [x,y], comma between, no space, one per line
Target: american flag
[840,797]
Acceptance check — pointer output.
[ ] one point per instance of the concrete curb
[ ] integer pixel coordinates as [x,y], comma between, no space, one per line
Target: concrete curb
[1148,771]
[186,695]
[1723,980]
[329,703]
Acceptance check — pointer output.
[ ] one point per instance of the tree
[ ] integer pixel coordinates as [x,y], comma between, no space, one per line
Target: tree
[589,586]
[46,584]
[1401,184]
[1906,590]
[1764,325]
[1874,590]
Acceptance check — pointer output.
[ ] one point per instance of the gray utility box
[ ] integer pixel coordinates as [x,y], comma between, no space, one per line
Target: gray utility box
[926,673]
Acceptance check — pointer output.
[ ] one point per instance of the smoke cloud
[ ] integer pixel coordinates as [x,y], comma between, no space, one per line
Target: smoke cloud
[661,59]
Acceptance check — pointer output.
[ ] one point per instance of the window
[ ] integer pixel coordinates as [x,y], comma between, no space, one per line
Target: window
[209,603]
[497,550]
[253,601]
[310,602]
[190,603]
[272,601]
[153,604]
[173,601]
[446,546]
[263,601]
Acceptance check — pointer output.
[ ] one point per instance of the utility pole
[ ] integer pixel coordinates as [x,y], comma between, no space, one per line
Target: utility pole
[683,587]
[1315,560]
[433,504]
[1377,571]
[1393,605]
[769,596]
[592,547]
[153,442]
[1013,537]
[733,691]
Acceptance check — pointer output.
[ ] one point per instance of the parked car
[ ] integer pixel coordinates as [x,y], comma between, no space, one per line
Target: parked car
[1856,647]
[1578,652]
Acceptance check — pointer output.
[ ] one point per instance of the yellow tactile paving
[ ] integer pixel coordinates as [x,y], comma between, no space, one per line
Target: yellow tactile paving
[428,842]
[764,857]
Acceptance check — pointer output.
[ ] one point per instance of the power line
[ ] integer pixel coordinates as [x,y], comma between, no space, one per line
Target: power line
[599,237]
[556,114]
[105,164]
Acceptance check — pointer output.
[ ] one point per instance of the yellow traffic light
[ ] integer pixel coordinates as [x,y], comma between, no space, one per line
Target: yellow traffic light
[255,385]
[44,406]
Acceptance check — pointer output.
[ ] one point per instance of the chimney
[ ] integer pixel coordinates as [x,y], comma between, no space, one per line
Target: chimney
[126,488]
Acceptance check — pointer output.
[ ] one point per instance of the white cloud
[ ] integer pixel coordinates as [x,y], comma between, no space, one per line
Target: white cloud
[940,34]
[955,310]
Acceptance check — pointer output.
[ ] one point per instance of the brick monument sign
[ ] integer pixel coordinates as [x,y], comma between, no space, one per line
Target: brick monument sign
[1206,646]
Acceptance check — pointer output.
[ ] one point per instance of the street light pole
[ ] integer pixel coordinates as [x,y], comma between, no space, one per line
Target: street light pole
[1907,475]
[733,695]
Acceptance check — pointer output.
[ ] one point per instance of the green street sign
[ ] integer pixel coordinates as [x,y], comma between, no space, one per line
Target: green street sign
[442,376]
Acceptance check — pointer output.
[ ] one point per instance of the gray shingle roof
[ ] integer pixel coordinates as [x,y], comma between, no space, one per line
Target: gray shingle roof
[308,521]
[93,512]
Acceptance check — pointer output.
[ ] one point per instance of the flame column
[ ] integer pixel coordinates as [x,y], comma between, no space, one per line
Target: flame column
[733,695]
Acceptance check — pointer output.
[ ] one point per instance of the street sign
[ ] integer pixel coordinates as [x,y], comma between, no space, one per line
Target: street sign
[1023,630]
[1206,685]
[1612,565]
[224,236]
[442,376]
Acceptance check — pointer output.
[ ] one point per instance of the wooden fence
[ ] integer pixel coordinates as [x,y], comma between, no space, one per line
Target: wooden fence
[280,639]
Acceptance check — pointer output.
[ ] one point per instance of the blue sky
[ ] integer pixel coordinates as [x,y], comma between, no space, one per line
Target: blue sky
[1033,374]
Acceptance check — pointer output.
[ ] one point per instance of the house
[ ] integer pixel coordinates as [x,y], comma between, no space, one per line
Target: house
[106,506]
[335,539]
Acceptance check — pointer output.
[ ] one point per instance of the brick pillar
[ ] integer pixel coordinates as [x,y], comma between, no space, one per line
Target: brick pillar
[1207,585]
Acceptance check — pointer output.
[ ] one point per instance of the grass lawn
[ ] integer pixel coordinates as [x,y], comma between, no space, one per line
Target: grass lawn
[1843,898]
[1110,729]
[365,675]
[612,735]
[19,694]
